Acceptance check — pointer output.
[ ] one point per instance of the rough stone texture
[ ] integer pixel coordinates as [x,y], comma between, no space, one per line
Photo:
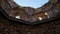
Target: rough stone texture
[28,13]
[10,27]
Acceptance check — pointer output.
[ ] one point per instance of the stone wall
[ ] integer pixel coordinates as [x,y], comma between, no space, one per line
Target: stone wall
[11,27]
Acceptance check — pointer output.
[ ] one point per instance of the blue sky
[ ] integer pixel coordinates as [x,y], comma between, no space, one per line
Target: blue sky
[31,3]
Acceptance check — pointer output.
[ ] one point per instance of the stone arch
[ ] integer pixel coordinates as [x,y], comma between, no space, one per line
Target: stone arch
[32,16]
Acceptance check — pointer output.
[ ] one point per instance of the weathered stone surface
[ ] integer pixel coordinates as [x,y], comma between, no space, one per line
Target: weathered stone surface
[28,13]
[11,27]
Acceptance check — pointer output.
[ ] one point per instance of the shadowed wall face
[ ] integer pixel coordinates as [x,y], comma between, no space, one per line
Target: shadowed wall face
[30,14]
[11,27]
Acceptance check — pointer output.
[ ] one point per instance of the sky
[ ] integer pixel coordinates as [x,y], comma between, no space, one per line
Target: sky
[31,3]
